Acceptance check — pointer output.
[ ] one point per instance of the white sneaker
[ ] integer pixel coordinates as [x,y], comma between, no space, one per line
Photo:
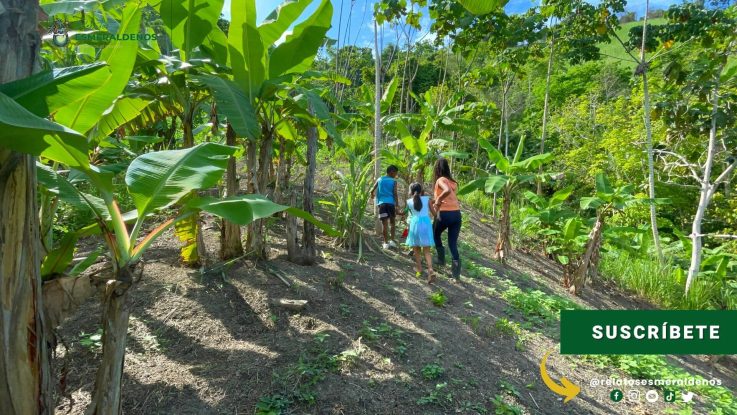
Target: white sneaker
[385,246]
[392,244]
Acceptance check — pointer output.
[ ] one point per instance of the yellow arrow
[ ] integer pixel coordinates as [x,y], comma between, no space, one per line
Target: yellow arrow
[567,389]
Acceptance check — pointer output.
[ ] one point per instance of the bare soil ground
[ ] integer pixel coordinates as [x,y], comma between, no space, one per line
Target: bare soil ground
[216,344]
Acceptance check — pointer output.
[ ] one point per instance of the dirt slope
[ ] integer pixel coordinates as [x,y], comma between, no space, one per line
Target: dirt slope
[217,345]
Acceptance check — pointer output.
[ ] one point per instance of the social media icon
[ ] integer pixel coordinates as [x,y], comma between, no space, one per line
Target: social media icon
[687,396]
[651,395]
[616,395]
[669,396]
[633,395]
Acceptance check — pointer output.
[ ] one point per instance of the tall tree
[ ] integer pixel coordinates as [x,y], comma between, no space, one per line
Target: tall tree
[24,356]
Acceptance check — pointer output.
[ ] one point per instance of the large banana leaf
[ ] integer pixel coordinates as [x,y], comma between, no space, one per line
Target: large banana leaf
[68,193]
[388,97]
[59,259]
[603,185]
[215,45]
[234,103]
[24,132]
[245,48]
[188,22]
[491,184]
[245,209]
[99,91]
[123,111]
[54,7]
[47,91]
[159,179]
[479,7]
[532,163]
[278,21]
[495,156]
[299,49]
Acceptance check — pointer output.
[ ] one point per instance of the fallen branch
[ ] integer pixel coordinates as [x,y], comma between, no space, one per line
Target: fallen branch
[277,273]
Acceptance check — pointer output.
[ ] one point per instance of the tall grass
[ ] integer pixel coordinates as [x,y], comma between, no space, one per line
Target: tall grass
[660,284]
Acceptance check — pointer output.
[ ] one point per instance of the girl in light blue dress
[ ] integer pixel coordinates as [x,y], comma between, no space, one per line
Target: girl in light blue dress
[420,234]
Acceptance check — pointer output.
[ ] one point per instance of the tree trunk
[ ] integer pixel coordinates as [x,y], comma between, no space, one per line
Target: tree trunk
[377,118]
[707,190]
[649,136]
[544,131]
[308,236]
[25,373]
[590,259]
[107,393]
[503,244]
[230,233]
[499,144]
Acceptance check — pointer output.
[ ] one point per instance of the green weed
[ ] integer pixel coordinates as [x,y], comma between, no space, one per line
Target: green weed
[438,298]
[272,405]
[438,396]
[91,340]
[536,305]
[432,371]
[503,408]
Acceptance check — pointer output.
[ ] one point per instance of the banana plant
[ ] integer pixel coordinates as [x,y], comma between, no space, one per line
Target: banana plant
[156,182]
[512,175]
[431,119]
[258,94]
[543,215]
[568,240]
[606,201]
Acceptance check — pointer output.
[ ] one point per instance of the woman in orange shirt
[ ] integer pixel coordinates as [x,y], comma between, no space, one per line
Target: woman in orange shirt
[448,215]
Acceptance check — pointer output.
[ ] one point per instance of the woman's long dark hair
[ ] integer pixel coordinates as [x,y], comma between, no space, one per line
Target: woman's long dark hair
[442,169]
[415,189]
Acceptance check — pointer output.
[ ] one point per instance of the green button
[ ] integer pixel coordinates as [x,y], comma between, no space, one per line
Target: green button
[648,332]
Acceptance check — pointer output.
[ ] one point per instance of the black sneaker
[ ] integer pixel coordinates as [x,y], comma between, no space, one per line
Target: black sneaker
[455,269]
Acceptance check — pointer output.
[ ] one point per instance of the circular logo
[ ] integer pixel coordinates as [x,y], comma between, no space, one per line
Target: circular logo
[651,395]
[59,34]
[616,395]
[60,39]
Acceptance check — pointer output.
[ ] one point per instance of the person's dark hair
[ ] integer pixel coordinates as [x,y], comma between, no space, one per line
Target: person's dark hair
[415,189]
[391,169]
[442,169]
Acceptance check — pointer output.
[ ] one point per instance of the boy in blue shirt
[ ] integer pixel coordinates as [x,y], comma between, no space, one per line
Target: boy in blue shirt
[385,191]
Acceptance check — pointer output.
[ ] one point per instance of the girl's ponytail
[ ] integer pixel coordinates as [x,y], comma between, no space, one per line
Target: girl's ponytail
[416,190]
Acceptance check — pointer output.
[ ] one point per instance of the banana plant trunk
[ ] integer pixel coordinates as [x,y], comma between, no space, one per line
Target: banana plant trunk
[107,393]
[590,261]
[187,127]
[503,244]
[280,185]
[308,192]
[230,233]
[257,235]
[25,373]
